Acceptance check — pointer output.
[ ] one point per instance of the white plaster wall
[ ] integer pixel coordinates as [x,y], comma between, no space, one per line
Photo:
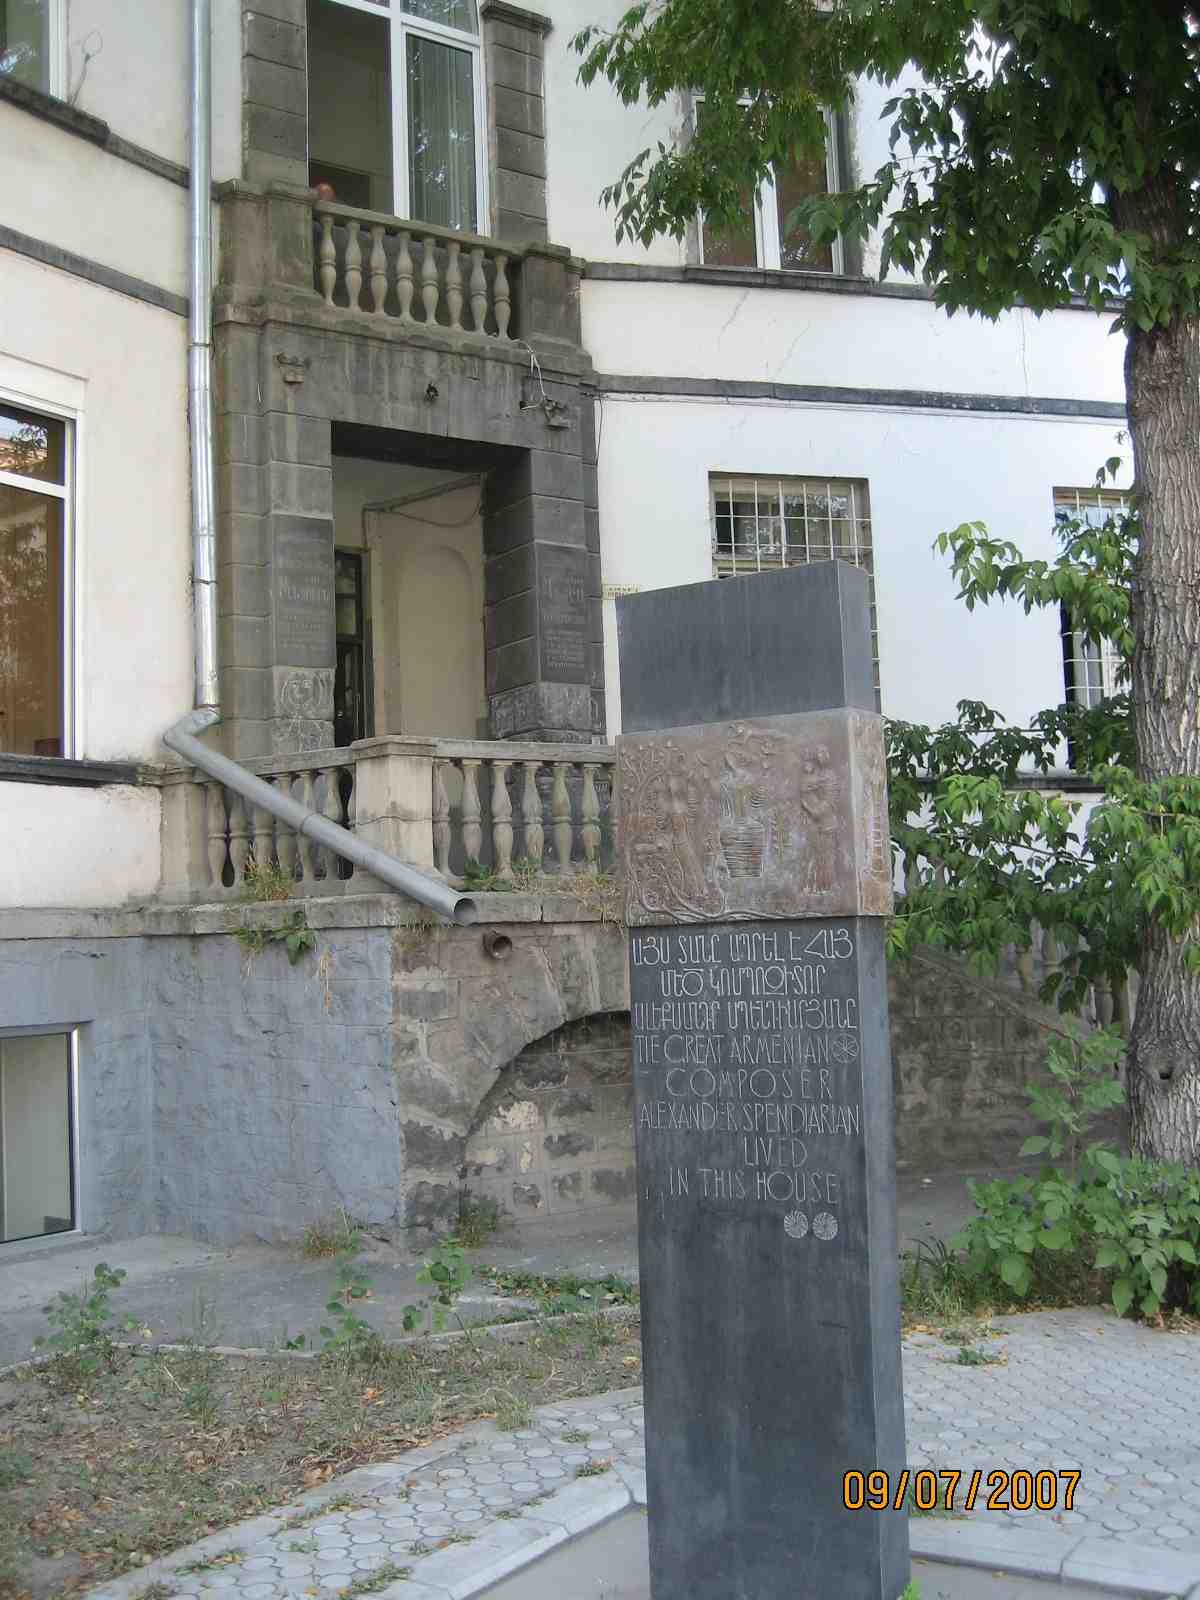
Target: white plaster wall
[137,79]
[78,847]
[925,472]
[64,191]
[123,363]
[861,341]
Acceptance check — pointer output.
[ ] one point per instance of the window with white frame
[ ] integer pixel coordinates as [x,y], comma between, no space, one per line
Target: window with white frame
[762,239]
[1091,667]
[35,534]
[763,524]
[37,1134]
[396,108]
[30,39]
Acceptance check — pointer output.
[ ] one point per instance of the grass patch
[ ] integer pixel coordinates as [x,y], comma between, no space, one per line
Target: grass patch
[373,1582]
[141,1463]
[330,1238]
[562,1295]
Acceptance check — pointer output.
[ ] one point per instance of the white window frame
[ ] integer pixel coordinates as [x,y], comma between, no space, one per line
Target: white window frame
[768,245]
[400,24]
[1076,502]
[68,493]
[39,1240]
[56,48]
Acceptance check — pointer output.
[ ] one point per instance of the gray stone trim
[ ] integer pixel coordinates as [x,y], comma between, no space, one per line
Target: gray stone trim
[65,773]
[513,50]
[770,278]
[93,129]
[515,16]
[52,255]
[836,395]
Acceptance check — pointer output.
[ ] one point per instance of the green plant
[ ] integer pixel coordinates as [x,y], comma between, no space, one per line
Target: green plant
[349,1336]
[323,1239]
[526,872]
[295,935]
[575,1436]
[593,1469]
[447,1272]
[83,1344]
[563,1294]
[483,880]
[512,1412]
[155,1591]
[373,1582]
[265,880]
[911,1590]
[969,1356]
[16,1466]
[478,1219]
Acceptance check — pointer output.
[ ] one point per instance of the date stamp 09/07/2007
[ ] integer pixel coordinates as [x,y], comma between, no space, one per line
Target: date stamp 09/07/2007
[927,1490]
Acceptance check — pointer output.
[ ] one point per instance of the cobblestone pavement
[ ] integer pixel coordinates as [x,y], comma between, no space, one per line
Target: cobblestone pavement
[1077,1389]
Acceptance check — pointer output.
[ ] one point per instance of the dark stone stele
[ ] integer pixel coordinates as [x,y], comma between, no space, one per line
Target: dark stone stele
[767,1235]
[303,584]
[763,1121]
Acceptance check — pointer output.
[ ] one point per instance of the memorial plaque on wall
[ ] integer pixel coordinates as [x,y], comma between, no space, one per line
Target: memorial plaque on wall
[562,615]
[302,582]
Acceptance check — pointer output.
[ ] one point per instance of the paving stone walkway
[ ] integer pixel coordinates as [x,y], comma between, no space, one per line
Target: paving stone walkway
[1075,1389]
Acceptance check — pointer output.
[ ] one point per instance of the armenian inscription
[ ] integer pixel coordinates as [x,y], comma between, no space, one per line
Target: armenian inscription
[747,1054]
[562,585]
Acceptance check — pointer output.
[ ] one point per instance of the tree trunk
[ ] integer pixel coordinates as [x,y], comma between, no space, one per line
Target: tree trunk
[1162,385]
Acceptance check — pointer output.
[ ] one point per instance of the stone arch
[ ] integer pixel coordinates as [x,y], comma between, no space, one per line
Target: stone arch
[554,1134]
[461,1018]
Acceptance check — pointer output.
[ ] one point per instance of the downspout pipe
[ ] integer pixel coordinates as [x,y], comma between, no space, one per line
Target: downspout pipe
[182,735]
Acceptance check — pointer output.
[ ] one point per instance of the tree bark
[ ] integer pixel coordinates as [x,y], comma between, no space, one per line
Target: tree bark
[1162,384]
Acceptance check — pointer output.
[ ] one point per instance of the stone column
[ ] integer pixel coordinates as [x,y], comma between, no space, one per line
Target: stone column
[275,91]
[754,842]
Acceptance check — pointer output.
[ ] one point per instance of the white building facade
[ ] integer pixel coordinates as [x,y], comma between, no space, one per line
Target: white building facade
[454,419]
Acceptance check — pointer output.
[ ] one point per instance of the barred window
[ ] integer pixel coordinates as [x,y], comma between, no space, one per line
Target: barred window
[1090,666]
[761,524]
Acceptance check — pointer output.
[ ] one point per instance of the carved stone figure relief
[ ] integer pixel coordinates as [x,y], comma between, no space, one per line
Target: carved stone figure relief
[770,818]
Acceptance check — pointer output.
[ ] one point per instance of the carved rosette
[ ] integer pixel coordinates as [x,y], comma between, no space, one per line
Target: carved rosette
[771,817]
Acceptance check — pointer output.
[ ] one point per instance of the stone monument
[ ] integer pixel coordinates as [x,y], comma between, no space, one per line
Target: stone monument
[754,847]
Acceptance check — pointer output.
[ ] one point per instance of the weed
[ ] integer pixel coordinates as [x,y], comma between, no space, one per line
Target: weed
[303,1547]
[478,1219]
[513,1412]
[414,936]
[557,1296]
[295,935]
[265,881]
[599,892]
[969,1356]
[911,1590]
[525,874]
[15,1467]
[227,1558]
[83,1346]
[594,1469]
[330,1239]
[447,1272]
[373,1582]
[575,1436]
[479,879]
[350,1336]
[155,1591]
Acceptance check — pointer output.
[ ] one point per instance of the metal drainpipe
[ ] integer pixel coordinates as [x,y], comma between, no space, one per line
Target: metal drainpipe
[181,736]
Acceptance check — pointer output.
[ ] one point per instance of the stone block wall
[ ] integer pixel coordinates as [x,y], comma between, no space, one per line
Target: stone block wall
[555,1133]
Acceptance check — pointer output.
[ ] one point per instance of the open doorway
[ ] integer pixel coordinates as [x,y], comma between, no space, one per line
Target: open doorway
[410,599]
[37,1180]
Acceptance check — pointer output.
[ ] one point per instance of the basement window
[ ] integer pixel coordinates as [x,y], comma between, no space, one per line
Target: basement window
[37,1144]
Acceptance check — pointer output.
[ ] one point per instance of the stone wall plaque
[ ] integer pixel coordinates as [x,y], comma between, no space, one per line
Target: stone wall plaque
[302,584]
[562,615]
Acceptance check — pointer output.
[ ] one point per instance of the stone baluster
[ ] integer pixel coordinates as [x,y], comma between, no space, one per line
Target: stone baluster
[1025,969]
[560,813]
[215,828]
[478,288]
[331,810]
[589,807]
[239,839]
[502,827]
[531,816]
[285,837]
[264,837]
[502,297]
[471,830]
[454,286]
[327,258]
[441,820]
[404,277]
[353,273]
[379,282]
[430,290]
[305,846]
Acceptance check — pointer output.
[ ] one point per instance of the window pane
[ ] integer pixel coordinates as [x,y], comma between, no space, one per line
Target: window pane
[441,134]
[32,446]
[350,105]
[731,247]
[31,606]
[25,42]
[793,183]
[451,13]
[35,1136]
